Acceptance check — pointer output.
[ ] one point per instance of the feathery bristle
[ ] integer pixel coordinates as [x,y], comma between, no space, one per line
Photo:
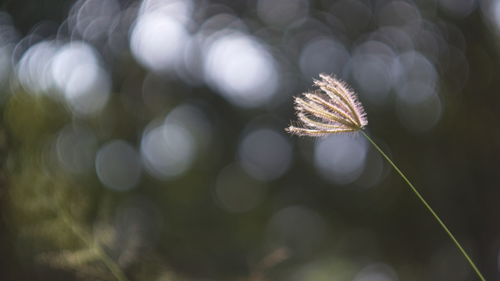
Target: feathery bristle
[334,108]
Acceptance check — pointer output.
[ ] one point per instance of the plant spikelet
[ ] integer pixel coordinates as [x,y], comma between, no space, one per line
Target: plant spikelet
[333,108]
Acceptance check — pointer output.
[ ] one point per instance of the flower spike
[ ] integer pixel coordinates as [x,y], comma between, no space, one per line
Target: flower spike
[334,108]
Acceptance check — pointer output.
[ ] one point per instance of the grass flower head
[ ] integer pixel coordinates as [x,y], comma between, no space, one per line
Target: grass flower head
[333,108]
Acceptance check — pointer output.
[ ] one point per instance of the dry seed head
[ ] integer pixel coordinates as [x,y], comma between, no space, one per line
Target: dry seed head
[334,108]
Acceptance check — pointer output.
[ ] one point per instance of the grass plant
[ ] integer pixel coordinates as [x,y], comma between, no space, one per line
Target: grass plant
[334,108]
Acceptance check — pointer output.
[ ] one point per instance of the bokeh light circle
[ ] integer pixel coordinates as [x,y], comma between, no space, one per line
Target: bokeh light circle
[341,158]
[265,154]
[241,69]
[118,165]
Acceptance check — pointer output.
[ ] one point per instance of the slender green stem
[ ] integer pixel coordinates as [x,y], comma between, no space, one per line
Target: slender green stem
[427,206]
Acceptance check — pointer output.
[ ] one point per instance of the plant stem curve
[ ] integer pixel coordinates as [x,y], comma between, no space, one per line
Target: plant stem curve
[429,208]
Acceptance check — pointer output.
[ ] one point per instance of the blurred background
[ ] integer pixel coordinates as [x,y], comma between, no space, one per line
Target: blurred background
[144,140]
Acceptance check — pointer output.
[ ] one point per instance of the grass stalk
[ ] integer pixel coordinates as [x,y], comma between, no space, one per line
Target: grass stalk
[429,208]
